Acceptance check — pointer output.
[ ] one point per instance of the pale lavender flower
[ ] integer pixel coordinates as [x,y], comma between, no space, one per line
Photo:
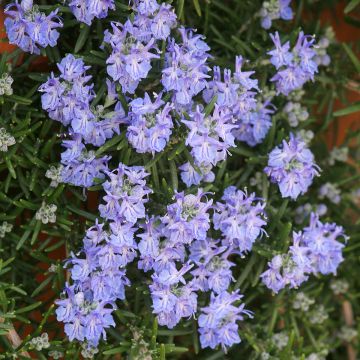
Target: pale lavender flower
[253,127]
[326,250]
[314,250]
[83,169]
[29,28]
[292,167]
[185,71]
[210,136]
[130,59]
[237,92]
[154,20]
[126,194]
[240,217]
[187,219]
[86,10]
[150,124]
[218,321]
[191,176]
[295,67]
[275,9]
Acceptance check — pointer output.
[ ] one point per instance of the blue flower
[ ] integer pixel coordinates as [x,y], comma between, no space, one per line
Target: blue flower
[210,136]
[150,124]
[236,94]
[130,59]
[29,28]
[185,71]
[126,194]
[315,250]
[191,176]
[240,218]
[273,10]
[326,250]
[218,321]
[86,10]
[292,167]
[295,67]
[187,219]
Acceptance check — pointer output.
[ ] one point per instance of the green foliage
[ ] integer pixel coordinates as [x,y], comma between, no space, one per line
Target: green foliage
[32,254]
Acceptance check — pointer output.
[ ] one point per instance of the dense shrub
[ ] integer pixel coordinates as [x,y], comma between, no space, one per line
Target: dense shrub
[169,186]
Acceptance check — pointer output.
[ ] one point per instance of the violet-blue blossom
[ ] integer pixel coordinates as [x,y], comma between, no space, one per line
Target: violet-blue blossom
[210,136]
[275,9]
[67,99]
[315,250]
[295,67]
[82,170]
[237,93]
[292,167]
[86,10]
[218,321]
[172,298]
[213,270]
[30,29]
[98,270]
[130,58]
[126,194]
[186,69]
[326,249]
[254,126]
[187,219]
[154,20]
[240,217]
[191,176]
[150,124]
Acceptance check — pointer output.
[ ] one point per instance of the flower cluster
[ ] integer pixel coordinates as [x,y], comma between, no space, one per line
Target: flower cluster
[315,250]
[292,167]
[275,9]
[98,271]
[295,67]
[6,140]
[187,249]
[150,124]
[191,176]
[126,194]
[240,218]
[253,128]
[130,59]
[5,84]
[86,10]
[134,44]
[217,323]
[67,99]
[237,94]
[185,261]
[29,28]
[54,174]
[185,70]
[210,137]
